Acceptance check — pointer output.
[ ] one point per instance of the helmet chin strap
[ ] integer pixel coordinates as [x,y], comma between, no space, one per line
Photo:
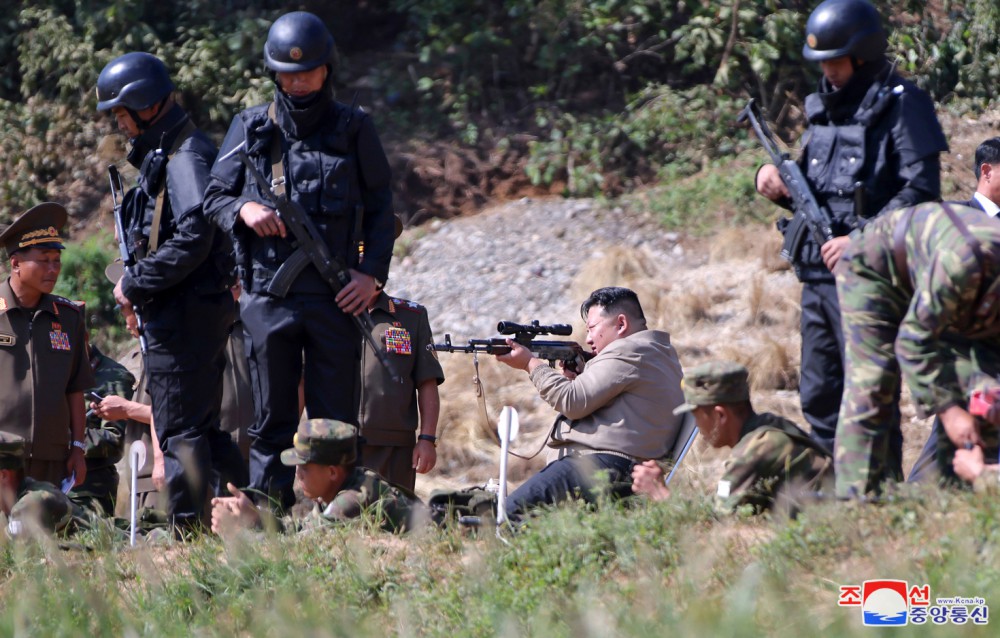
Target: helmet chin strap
[144,124]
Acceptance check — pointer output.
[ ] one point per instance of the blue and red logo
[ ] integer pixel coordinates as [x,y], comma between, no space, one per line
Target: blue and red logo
[893,603]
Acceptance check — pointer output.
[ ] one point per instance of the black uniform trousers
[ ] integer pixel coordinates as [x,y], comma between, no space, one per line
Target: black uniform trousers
[186,334]
[574,475]
[278,332]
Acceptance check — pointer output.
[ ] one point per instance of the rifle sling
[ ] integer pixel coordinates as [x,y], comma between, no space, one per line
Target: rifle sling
[161,195]
[277,156]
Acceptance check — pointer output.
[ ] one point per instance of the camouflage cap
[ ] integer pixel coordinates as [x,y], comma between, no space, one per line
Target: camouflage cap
[39,227]
[323,441]
[713,383]
[11,451]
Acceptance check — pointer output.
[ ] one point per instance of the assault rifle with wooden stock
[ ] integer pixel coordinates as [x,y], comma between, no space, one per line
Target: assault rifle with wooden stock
[309,241]
[126,253]
[570,353]
[809,215]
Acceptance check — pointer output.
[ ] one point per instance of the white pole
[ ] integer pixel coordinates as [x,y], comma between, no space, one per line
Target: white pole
[136,459]
[507,427]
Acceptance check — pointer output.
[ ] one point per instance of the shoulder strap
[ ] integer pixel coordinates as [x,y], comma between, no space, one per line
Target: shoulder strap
[154,230]
[277,161]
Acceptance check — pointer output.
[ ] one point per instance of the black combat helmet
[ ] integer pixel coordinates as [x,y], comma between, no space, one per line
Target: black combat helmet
[844,27]
[298,41]
[135,81]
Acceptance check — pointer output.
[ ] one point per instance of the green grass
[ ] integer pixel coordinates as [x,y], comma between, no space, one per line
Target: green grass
[720,195]
[643,570]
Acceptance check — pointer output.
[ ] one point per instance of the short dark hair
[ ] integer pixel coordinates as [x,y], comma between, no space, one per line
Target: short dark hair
[614,300]
[987,153]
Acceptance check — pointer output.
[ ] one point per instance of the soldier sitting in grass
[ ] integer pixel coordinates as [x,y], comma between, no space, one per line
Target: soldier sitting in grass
[770,453]
[30,505]
[323,456]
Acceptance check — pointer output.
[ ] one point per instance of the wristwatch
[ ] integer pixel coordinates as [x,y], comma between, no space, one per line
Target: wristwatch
[81,445]
[428,437]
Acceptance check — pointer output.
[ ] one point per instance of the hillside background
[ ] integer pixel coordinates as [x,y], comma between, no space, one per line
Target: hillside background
[476,100]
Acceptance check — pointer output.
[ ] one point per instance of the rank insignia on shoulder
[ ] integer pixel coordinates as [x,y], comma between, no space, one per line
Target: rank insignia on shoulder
[59,339]
[397,341]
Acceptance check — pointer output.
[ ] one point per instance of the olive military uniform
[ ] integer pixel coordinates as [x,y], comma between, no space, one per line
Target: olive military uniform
[774,456]
[389,417]
[43,358]
[919,289]
[363,492]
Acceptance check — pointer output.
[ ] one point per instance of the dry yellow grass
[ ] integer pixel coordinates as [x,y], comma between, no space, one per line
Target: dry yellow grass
[737,304]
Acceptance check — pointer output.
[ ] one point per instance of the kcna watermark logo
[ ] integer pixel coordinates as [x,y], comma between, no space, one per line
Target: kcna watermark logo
[892,603]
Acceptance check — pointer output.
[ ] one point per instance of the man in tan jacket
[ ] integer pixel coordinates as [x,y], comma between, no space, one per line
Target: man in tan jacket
[614,414]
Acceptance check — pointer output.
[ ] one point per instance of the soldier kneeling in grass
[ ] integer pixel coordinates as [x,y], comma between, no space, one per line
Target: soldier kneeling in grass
[32,506]
[770,453]
[324,455]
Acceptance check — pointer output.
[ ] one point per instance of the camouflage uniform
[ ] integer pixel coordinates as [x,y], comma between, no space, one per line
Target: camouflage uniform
[104,439]
[773,454]
[927,313]
[36,505]
[331,442]
[365,492]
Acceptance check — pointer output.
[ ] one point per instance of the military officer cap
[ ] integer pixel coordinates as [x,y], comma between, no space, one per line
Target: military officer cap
[11,451]
[714,383]
[39,227]
[323,441]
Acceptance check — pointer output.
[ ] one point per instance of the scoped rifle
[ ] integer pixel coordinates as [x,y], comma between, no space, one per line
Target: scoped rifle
[125,251]
[809,215]
[331,269]
[570,353]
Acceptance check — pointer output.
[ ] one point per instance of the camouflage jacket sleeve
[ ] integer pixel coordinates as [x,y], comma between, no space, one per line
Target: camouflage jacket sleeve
[370,495]
[43,507]
[763,462]
[945,294]
[105,439]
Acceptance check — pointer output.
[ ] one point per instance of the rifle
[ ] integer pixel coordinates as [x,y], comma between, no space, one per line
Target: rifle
[126,254]
[569,352]
[307,237]
[808,213]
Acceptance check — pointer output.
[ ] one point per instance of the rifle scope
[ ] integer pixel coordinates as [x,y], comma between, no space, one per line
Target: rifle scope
[511,328]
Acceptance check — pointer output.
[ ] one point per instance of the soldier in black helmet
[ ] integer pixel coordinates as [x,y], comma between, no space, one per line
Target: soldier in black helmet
[182,278]
[873,145]
[327,157]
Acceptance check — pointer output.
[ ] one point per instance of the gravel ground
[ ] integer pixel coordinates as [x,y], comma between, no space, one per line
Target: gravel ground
[515,262]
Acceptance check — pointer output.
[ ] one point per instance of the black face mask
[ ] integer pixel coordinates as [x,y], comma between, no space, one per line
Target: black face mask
[301,117]
[843,102]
